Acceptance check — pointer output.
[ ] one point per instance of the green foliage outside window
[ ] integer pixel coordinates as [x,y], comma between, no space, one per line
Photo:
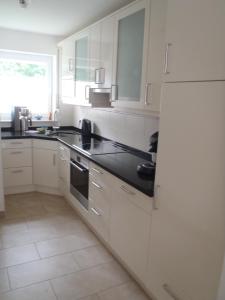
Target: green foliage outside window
[23,69]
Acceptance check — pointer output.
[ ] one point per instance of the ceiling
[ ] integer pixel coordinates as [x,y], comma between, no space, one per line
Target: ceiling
[55,17]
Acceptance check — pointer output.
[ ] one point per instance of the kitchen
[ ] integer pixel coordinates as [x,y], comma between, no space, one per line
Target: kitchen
[112,145]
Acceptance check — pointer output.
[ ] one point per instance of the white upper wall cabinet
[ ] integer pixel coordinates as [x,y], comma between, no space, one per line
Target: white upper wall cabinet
[155,55]
[82,66]
[130,55]
[120,52]
[66,70]
[195,47]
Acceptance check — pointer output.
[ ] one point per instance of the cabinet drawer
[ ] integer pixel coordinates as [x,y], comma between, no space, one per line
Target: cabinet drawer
[17,143]
[100,175]
[136,197]
[99,206]
[17,176]
[49,145]
[13,158]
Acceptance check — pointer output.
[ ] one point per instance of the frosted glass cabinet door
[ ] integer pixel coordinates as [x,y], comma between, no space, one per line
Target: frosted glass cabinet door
[82,67]
[130,53]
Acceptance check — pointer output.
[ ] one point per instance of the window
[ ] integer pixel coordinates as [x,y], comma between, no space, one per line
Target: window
[25,80]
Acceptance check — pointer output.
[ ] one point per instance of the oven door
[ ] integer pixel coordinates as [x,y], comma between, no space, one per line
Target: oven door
[79,177]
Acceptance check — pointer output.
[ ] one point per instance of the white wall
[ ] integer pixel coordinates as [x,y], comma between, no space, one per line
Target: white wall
[130,129]
[28,42]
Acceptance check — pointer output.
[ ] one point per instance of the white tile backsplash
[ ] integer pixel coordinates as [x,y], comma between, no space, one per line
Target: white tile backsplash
[128,128]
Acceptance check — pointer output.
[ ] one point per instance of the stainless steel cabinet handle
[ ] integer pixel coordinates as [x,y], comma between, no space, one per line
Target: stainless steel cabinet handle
[169,291]
[166,71]
[95,212]
[114,92]
[16,152]
[17,171]
[147,88]
[156,197]
[97,171]
[99,76]
[87,88]
[127,191]
[97,185]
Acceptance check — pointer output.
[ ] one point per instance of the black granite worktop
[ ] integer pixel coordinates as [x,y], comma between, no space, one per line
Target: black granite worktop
[122,164]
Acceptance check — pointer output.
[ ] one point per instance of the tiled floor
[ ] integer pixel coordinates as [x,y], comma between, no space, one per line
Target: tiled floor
[48,253]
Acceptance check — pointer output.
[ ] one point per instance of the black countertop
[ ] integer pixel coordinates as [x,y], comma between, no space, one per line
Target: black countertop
[121,162]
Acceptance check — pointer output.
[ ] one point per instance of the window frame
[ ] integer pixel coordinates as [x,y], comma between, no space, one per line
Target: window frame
[35,57]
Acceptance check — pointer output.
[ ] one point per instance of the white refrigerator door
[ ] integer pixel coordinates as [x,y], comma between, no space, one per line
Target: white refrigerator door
[187,238]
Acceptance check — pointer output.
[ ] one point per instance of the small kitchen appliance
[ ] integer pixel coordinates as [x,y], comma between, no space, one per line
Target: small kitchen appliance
[148,169]
[86,127]
[21,118]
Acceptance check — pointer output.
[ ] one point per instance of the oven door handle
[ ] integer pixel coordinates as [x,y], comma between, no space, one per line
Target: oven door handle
[77,167]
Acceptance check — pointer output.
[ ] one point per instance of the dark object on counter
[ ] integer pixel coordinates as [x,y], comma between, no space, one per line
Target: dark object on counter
[86,127]
[154,142]
[146,169]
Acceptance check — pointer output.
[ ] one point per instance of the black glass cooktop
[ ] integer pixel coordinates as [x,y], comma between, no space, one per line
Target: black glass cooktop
[92,146]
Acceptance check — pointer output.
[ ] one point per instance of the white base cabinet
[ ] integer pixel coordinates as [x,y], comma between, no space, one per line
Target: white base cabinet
[64,168]
[17,163]
[129,227]
[45,163]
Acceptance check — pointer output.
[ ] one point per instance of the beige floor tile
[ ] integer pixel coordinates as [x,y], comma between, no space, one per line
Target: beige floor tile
[127,291]
[18,255]
[42,270]
[92,256]
[88,282]
[14,225]
[69,243]
[42,291]
[43,234]
[13,239]
[4,282]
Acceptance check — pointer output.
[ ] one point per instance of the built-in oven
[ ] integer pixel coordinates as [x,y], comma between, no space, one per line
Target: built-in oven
[79,178]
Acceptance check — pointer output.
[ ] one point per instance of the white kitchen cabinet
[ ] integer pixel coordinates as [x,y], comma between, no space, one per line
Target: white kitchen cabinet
[187,232]
[155,55]
[130,55]
[17,163]
[130,227]
[106,50]
[99,200]
[101,53]
[45,164]
[20,176]
[64,168]
[94,54]
[82,67]
[67,69]
[21,157]
[194,37]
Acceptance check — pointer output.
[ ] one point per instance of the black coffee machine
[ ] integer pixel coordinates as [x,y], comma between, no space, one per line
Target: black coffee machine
[148,169]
